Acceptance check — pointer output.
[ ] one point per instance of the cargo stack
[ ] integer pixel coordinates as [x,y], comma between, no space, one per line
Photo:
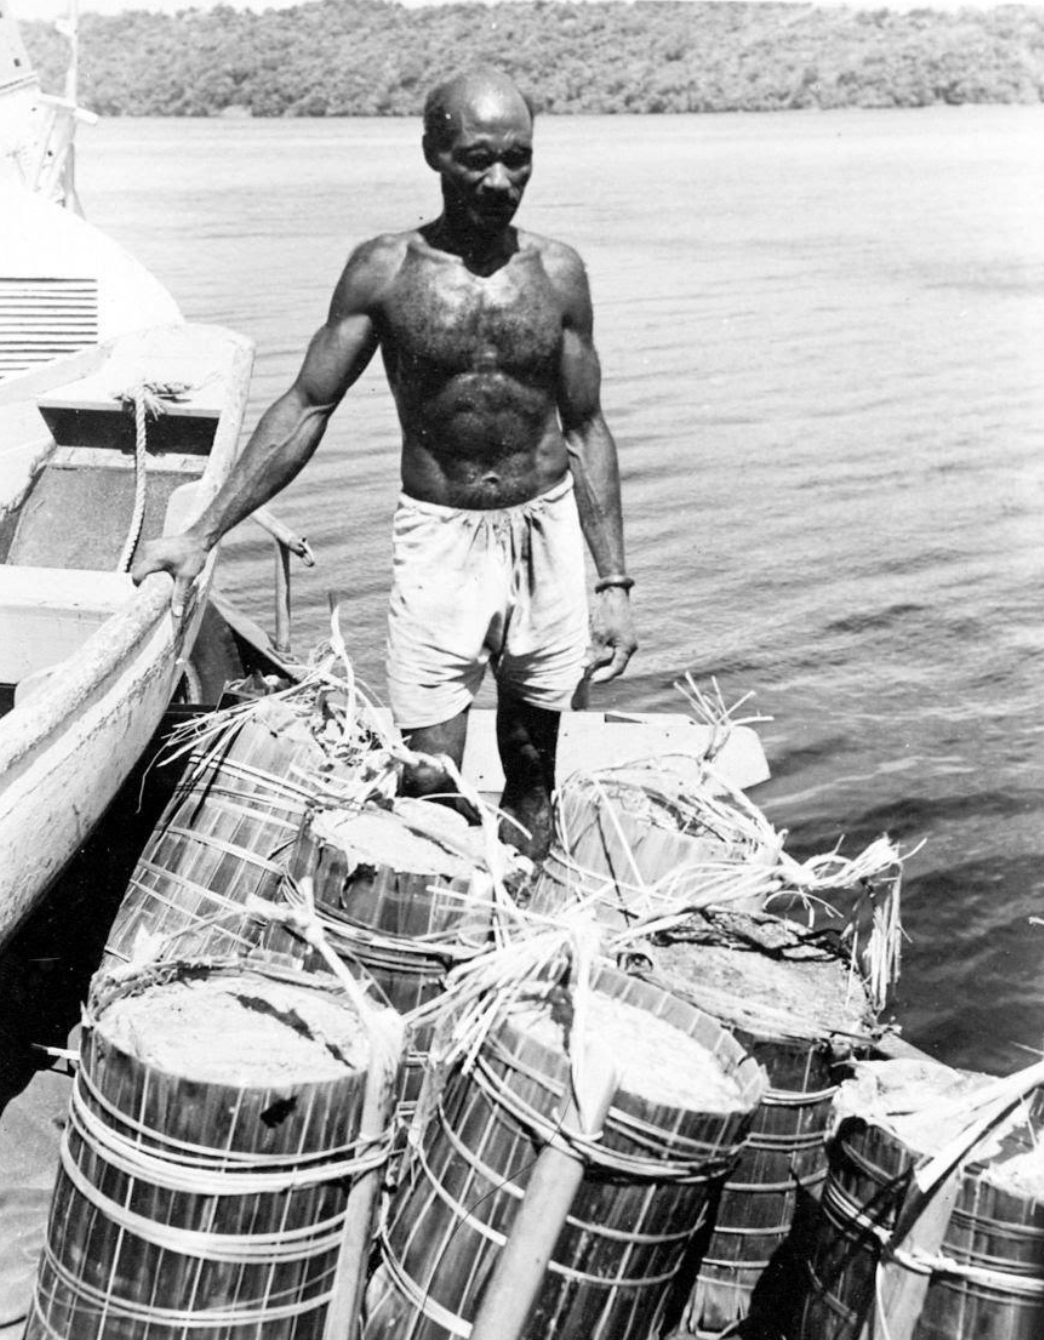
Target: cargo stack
[226,834]
[642,1152]
[405,891]
[218,1170]
[797,1004]
[961,1259]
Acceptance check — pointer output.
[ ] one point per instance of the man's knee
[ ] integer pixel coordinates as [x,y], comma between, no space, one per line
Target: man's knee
[427,773]
[425,777]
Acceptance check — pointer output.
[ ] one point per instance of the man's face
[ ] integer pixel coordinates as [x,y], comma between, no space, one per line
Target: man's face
[487,164]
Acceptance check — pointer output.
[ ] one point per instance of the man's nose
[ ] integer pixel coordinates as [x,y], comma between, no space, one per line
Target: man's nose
[497,178]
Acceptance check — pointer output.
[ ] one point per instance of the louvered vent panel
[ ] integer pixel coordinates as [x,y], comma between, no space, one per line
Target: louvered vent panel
[41,319]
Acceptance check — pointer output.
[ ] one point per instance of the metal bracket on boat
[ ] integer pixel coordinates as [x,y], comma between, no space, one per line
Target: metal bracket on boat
[287,542]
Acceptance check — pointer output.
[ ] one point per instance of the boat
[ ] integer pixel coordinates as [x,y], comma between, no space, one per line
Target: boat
[88,662]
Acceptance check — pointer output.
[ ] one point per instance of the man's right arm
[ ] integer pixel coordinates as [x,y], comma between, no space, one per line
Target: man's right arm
[290,429]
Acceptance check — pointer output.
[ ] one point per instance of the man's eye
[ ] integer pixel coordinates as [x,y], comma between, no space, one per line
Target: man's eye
[516,160]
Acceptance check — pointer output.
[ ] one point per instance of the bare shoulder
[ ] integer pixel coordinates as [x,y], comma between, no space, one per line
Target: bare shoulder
[562,262]
[370,270]
[565,270]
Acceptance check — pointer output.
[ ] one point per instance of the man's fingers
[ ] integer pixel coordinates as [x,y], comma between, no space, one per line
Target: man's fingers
[608,661]
[178,601]
[611,666]
[597,656]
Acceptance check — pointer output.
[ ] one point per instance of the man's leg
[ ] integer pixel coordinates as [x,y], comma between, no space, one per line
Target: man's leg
[527,738]
[429,779]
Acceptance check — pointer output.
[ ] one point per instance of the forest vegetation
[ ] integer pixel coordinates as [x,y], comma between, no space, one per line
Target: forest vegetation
[376,58]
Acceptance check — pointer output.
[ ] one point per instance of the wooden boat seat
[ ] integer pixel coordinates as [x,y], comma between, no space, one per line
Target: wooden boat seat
[47,614]
[89,413]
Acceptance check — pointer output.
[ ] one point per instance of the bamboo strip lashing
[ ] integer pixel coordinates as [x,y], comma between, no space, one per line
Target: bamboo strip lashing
[502,1184]
[229,909]
[231,803]
[749,1264]
[797,1098]
[185,883]
[640,1131]
[274,787]
[279,1248]
[420,1299]
[1001,1281]
[922,1263]
[554,1267]
[755,1188]
[446,939]
[460,1211]
[787,1142]
[199,923]
[586,1148]
[1026,1232]
[108,1305]
[164,1171]
[447,949]
[243,854]
[206,1154]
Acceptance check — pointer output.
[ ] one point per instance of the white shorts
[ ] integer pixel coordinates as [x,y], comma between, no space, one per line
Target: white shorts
[472,588]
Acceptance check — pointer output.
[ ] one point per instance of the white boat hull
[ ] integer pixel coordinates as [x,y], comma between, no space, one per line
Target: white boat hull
[70,742]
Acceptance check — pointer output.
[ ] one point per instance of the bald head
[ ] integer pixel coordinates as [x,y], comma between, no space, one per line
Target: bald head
[483,94]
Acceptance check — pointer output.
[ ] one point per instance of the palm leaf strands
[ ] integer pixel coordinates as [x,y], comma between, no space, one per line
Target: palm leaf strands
[798,1005]
[649,835]
[932,1218]
[640,838]
[217,1171]
[511,1050]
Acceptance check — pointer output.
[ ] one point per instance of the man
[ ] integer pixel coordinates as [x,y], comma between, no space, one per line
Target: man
[507,464]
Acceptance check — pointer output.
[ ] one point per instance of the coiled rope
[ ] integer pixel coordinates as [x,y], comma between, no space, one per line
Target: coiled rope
[146,398]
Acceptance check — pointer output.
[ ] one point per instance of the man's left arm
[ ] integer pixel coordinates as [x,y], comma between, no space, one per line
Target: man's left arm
[596,476]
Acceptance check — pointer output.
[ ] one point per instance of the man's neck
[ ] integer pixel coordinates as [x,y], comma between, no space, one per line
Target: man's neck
[482,253]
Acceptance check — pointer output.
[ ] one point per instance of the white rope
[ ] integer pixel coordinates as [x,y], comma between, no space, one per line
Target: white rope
[140,461]
[147,399]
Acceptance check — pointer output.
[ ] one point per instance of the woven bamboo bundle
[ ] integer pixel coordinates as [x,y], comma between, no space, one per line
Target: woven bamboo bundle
[642,846]
[991,1279]
[929,1226]
[645,1176]
[225,839]
[406,891]
[225,1129]
[798,1006]
[635,840]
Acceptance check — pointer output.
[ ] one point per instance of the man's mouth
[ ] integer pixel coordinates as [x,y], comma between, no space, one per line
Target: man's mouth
[496,211]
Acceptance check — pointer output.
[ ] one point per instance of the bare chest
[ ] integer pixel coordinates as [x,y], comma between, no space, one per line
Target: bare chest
[443,320]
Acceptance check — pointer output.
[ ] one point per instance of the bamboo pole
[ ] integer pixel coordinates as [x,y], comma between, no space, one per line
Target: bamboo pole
[385,1031]
[900,1288]
[519,1272]
[925,1214]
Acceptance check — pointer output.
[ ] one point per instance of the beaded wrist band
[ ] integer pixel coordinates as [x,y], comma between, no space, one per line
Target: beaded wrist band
[619,579]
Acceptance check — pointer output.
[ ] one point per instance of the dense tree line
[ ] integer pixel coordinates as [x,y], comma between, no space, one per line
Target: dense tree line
[373,57]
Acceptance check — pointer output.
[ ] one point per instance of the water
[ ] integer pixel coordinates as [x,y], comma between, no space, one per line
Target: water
[821,339]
